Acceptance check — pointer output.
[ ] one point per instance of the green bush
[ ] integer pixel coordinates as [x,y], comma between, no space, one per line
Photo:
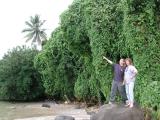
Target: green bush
[19,80]
[57,66]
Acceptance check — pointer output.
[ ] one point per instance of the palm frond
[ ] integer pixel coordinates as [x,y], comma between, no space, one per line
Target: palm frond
[27,30]
[29,24]
[41,23]
[43,30]
[37,19]
[39,40]
[29,36]
[43,36]
[32,20]
[35,38]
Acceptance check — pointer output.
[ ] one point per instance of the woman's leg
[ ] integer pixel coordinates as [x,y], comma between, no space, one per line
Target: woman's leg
[131,93]
[127,93]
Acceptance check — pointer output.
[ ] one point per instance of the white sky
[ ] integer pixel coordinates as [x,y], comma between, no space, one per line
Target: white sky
[14,13]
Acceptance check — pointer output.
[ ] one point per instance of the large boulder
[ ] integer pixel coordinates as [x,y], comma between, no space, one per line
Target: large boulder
[118,112]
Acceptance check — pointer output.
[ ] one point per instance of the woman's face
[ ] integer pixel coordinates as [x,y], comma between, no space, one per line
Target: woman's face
[127,62]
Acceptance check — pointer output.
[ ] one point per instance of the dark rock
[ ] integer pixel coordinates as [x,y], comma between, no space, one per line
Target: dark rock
[46,105]
[118,112]
[91,113]
[77,107]
[63,117]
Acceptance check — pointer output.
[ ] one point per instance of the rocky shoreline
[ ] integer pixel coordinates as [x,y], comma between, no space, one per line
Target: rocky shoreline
[75,111]
[105,112]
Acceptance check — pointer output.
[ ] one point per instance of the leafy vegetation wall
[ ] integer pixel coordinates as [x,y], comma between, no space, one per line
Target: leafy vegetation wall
[71,61]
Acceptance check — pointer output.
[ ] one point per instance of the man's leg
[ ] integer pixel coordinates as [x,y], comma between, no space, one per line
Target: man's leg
[122,91]
[113,91]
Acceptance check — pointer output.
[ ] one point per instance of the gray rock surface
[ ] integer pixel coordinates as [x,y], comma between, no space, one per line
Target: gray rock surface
[63,117]
[118,112]
[46,105]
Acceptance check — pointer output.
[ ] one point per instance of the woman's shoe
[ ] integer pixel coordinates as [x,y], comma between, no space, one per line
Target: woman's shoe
[131,105]
[127,103]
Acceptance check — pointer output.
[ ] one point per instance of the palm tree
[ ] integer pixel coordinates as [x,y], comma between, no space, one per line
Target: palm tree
[34,30]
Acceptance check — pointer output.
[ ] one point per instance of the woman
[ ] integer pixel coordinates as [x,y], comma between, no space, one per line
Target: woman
[129,80]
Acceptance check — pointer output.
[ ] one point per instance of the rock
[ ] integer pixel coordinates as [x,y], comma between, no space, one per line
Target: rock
[83,105]
[78,114]
[77,107]
[92,110]
[118,112]
[91,113]
[63,117]
[46,105]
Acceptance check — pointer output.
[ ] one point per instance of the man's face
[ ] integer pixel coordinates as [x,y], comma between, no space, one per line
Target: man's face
[121,62]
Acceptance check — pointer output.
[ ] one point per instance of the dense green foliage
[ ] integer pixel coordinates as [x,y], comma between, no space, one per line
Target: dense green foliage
[56,64]
[19,80]
[90,29]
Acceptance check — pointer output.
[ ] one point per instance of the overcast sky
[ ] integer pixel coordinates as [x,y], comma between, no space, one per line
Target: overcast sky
[14,13]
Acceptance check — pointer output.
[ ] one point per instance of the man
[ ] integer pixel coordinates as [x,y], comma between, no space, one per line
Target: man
[117,83]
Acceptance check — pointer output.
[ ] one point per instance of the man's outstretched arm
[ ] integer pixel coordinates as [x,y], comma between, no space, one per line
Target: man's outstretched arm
[109,61]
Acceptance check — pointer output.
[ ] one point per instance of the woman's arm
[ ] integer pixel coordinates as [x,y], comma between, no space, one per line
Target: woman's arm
[134,71]
[109,61]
